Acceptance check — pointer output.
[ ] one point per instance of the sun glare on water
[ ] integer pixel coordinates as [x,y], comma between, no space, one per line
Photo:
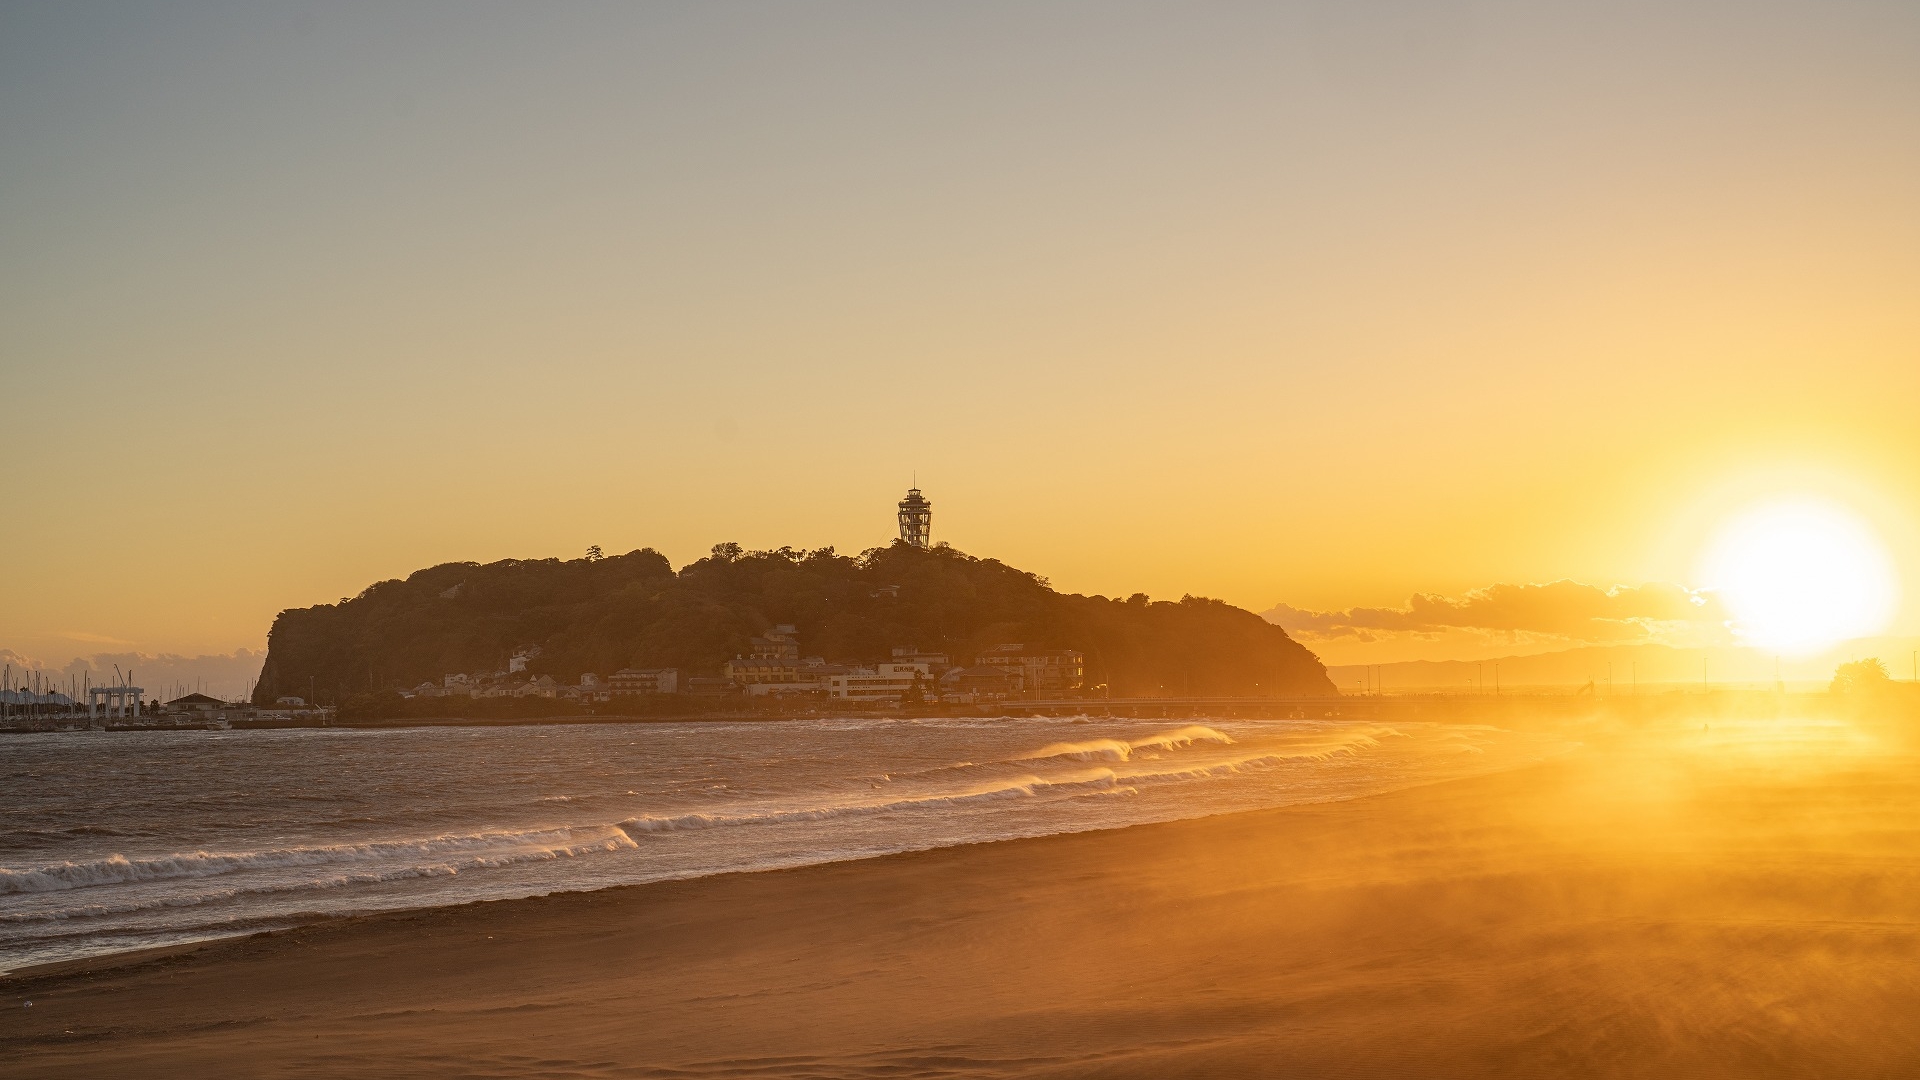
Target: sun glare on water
[1799,575]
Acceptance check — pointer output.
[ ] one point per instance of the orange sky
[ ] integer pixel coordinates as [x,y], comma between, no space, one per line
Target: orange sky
[1322,304]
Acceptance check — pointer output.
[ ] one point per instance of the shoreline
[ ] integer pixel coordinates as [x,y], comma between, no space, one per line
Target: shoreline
[1530,709]
[1517,709]
[154,953]
[108,960]
[1671,903]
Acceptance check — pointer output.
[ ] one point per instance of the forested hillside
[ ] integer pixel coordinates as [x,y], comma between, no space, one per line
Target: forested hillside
[604,614]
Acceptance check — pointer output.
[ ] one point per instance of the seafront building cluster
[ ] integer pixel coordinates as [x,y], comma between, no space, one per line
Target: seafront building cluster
[773,667]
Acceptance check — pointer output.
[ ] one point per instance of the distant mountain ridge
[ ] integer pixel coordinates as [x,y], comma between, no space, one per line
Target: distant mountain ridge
[603,614]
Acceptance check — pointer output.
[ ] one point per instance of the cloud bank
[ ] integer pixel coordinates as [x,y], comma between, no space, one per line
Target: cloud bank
[1564,610]
[227,675]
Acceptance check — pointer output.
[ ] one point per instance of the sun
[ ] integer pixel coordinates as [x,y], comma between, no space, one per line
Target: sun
[1801,574]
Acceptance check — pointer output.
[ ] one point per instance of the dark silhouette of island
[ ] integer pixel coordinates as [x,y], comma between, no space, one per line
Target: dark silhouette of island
[566,618]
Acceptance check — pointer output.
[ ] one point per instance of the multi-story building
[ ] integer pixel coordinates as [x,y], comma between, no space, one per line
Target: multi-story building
[630,681]
[886,682]
[780,643]
[810,678]
[1058,672]
[981,683]
[773,665]
[749,671]
[936,662]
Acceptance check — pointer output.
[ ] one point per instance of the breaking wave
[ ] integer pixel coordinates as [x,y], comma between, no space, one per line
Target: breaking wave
[478,849]
[1022,788]
[1086,781]
[1122,749]
[1347,748]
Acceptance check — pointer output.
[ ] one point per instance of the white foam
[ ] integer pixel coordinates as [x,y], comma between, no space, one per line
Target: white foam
[1022,787]
[1122,749]
[1186,736]
[472,849]
[446,868]
[1347,747]
[1090,750]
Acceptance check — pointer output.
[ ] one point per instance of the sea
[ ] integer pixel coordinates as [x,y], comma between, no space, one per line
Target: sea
[113,841]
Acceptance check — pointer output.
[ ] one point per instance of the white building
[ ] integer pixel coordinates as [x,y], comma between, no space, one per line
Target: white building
[887,682]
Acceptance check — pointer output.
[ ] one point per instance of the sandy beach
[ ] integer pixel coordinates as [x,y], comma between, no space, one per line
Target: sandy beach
[1688,903]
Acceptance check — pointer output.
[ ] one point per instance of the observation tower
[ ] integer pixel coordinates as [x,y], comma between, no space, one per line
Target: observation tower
[916,520]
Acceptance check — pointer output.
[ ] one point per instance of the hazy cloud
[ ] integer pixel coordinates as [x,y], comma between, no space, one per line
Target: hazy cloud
[19,662]
[1561,609]
[222,674]
[89,637]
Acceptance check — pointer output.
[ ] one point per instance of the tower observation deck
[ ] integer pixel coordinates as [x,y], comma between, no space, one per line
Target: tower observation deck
[916,519]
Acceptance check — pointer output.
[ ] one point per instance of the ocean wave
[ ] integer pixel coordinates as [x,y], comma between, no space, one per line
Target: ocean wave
[1086,750]
[1122,749]
[1021,788]
[70,831]
[1343,748]
[476,849]
[445,868]
[1209,770]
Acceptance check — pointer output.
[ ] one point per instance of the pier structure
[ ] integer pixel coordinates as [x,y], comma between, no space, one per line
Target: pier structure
[916,519]
[116,701]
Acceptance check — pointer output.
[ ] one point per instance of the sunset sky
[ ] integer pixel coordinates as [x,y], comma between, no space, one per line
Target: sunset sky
[1319,304]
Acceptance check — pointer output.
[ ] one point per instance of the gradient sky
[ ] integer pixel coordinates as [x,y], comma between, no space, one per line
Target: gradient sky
[1321,303]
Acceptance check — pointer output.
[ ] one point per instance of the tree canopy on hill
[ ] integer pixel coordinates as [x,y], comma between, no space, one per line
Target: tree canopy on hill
[602,614]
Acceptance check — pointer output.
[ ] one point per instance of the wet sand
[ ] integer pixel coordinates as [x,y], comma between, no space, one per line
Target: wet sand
[1667,905]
